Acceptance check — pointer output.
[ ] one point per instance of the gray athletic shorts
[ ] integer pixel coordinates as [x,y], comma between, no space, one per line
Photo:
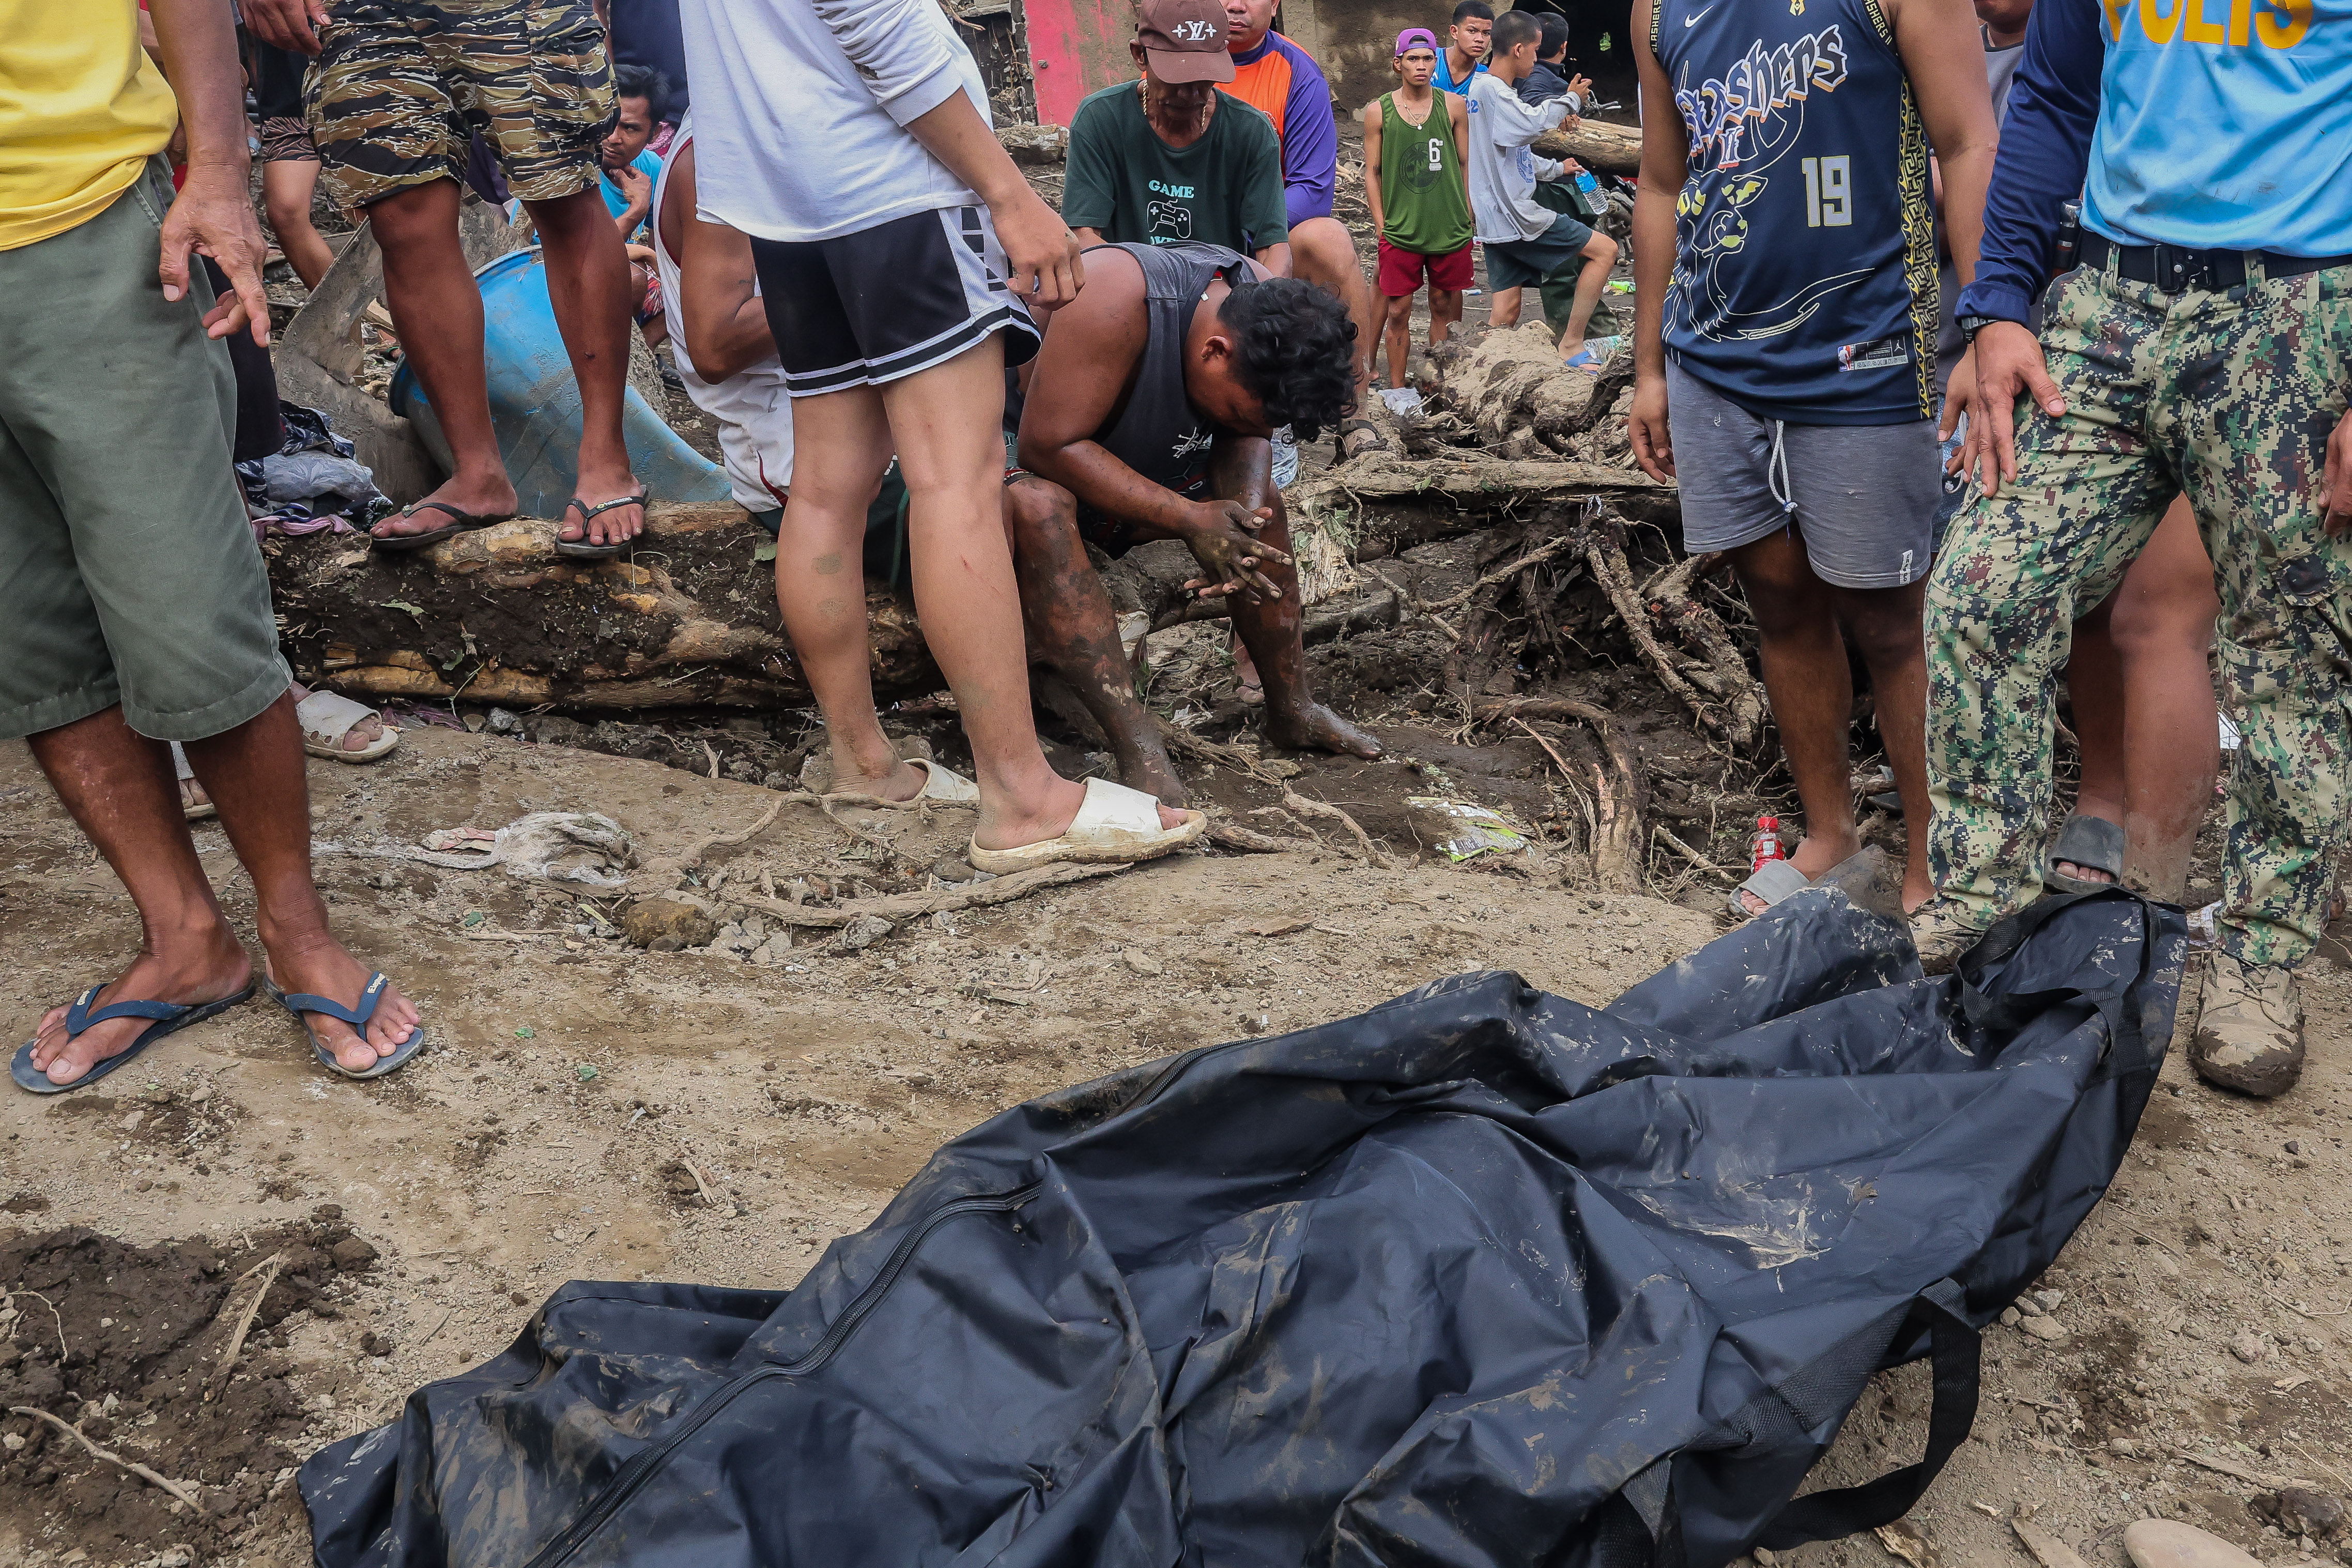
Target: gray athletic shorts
[1864,495]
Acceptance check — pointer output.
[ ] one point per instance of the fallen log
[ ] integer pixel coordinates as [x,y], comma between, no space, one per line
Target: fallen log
[1603,148]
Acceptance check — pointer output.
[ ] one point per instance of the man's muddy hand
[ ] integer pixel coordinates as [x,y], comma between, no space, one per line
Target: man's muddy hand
[288,23]
[1223,539]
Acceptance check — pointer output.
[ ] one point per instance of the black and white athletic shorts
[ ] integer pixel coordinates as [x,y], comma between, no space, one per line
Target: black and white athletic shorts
[884,302]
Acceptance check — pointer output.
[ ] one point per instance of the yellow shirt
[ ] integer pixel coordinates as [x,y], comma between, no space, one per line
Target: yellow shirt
[81,110]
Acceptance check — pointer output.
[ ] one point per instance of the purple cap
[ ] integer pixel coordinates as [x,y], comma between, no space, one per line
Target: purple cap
[1415,37]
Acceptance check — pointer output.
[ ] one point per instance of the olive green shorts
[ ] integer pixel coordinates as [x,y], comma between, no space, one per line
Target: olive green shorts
[127,571]
[400,87]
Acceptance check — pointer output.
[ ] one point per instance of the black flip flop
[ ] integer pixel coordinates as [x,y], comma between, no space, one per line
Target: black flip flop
[2086,841]
[579,548]
[168,1018]
[460,522]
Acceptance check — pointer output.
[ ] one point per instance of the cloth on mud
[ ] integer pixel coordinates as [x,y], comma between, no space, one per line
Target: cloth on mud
[1482,1277]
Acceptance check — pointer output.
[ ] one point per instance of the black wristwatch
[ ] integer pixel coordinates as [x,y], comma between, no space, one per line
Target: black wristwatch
[1971,325]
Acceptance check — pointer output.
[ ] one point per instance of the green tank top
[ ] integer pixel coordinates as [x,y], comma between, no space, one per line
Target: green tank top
[1424,209]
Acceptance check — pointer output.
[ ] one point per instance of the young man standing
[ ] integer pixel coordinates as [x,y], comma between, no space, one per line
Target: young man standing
[1417,183]
[1467,42]
[1168,159]
[1275,77]
[1525,243]
[1149,413]
[2203,345]
[390,98]
[1787,327]
[134,608]
[895,303]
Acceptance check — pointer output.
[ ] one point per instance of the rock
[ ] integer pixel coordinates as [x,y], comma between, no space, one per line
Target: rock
[2049,1330]
[777,950]
[352,1256]
[948,869]
[2127,1448]
[2046,1299]
[650,920]
[503,722]
[1142,963]
[2168,1543]
[863,932]
[2029,1307]
[2009,1316]
[1035,143]
[2047,1549]
[2294,1146]
[2308,1513]
[2248,1348]
[2192,1330]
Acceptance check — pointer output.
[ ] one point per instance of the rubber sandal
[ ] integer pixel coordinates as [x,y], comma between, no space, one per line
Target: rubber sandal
[1595,353]
[1772,881]
[2086,841]
[1116,824]
[301,1002]
[170,1018]
[1354,427]
[945,783]
[579,548]
[326,719]
[461,522]
[196,811]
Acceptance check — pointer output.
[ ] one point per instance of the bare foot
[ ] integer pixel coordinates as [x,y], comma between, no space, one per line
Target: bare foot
[1313,727]
[1247,685]
[358,737]
[904,781]
[321,968]
[1813,857]
[206,968]
[487,495]
[597,485]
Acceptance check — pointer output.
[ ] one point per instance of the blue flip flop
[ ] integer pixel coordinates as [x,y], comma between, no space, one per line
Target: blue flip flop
[170,1017]
[301,1002]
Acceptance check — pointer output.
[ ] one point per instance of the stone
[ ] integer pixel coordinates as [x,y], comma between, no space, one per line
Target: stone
[2009,1316]
[863,932]
[2307,1512]
[950,869]
[503,722]
[2248,1348]
[352,1256]
[649,920]
[2048,1329]
[2029,1307]
[2046,1299]
[2126,1447]
[777,950]
[1142,963]
[2168,1543]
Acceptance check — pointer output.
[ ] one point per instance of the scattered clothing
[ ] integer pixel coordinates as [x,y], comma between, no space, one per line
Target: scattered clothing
[1861,495]
[830,157]
[1279,81]
[2224,393]
[1807,295]
[865,308]
[1225,189]
[128,573]
[584,846]
[321,481]
[753,408]
[81,110]
[1504,167]
[1424,193]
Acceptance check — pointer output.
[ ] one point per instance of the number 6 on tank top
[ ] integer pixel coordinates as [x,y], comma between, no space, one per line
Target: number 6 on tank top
[1829,185]
[1436,155]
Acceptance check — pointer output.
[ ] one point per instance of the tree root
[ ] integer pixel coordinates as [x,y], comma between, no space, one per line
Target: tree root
[898,907]
[1329,812]
[1619,793]
[268,1268]
[179,1489]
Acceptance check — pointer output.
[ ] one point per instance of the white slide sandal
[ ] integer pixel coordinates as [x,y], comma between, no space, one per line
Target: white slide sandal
[1116,825]
[945,783]
[326,719]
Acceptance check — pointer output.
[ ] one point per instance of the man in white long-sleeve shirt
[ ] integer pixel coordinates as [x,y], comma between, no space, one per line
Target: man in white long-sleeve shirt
[1526,243]
[896,248]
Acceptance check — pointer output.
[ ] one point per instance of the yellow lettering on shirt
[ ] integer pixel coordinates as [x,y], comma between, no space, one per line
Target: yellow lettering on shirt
[2242,22]
[2159,28]
[2117,10]
[2194,27]
[2277,35]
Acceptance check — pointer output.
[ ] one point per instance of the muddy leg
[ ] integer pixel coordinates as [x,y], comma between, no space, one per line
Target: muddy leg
[1243,471]
[1069,617]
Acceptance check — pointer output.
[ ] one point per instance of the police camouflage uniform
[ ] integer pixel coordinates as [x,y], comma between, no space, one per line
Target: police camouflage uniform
[400,86]
[2231,396]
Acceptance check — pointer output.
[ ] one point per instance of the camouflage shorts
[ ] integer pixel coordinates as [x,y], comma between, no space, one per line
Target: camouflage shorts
[400,86]
[2230,397]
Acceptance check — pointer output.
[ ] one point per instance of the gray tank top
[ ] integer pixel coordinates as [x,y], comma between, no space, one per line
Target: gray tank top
[1160,433]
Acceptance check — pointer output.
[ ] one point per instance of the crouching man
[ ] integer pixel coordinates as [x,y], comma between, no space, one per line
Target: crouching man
[1147,416]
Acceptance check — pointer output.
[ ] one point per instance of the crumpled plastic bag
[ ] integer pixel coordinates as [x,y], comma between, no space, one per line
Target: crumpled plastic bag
[1459,830]
[584,846]
[289,479]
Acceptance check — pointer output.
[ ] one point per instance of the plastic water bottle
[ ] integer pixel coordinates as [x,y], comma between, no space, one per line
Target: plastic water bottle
[1767,843]
[1586,184]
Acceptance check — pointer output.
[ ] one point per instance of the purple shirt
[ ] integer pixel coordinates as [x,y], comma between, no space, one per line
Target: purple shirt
[1281,81]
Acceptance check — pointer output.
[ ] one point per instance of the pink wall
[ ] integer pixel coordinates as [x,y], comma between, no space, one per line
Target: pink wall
[1075,48]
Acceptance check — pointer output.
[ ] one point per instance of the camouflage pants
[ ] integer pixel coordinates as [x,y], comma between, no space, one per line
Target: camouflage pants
[400,86]
[2231,397]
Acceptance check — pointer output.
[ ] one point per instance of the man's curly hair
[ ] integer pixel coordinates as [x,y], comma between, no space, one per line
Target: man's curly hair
[1295,352]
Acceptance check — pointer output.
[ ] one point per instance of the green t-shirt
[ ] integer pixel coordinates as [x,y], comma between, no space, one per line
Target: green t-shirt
[1224,189]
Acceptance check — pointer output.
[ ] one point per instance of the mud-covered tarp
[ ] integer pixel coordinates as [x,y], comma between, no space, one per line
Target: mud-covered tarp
[1482,1277]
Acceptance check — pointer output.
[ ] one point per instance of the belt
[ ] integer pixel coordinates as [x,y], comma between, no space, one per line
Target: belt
[2176,269]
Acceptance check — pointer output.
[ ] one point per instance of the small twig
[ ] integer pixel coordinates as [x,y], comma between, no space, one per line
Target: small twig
[179,1489]
[896,907]
[1689,854]
[445,1314]
[1231,836]
[52,1306]
[1535,557]
[268,1268]
[1306,807]
[1550,750]
[712,753]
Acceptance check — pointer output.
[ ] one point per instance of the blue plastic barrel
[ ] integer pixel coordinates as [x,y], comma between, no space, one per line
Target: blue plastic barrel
[535,404]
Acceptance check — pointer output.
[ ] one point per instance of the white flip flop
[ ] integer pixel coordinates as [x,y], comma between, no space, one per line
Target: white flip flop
[945,783]
[1116,825]
[327,718]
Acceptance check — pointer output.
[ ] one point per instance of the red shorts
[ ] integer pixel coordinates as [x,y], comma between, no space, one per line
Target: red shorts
[1401,270]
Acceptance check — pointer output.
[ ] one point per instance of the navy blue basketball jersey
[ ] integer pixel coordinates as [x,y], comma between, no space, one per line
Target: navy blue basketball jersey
[1804,277]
